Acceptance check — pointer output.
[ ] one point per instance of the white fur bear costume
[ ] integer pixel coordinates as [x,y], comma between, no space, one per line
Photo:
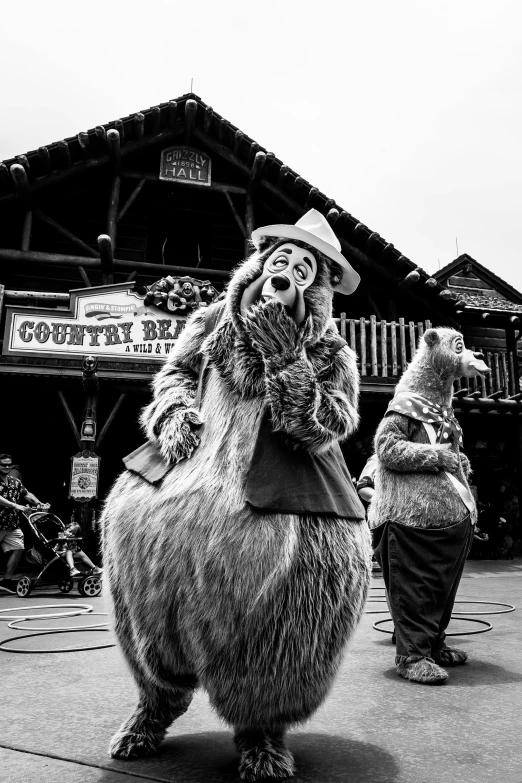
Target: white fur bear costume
[252,602]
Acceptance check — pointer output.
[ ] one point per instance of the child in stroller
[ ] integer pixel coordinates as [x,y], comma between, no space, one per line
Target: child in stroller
[69,548]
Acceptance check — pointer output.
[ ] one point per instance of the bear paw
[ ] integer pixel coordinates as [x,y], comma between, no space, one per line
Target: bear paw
[131,745]
[268,760]
[424,670]
[450,656]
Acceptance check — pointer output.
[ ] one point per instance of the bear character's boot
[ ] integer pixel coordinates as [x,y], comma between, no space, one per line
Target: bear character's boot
[144,731]
[450,656]
[263,755]
[423,670]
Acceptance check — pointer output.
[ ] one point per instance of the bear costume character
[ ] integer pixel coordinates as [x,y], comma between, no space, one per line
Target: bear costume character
[422,513]
[246,569]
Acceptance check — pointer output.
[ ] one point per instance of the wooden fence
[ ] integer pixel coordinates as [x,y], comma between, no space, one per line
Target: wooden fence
[385,348]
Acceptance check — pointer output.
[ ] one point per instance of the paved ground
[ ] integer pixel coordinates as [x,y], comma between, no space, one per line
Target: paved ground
[59,710]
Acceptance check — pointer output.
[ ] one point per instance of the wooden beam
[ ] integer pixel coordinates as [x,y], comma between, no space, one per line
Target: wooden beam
[236,214]
[85,278]
[113,140]
[207,119]
[85,166]
[155,115]
[139,125]
[333,216]
[109,420]
[45,159]
[45,218]
[106,258]
[101,136]
[27,230]
[257,169]
[132,198]
[238,139]
[33,297]
[70,417]
[21,183]
[112,214]
[63,154]
[150,177]
[411,279]
[56,259]
[84,142]
[6,181]
[173,112]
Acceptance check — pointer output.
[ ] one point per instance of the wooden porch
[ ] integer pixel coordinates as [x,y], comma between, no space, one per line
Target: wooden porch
[385,348]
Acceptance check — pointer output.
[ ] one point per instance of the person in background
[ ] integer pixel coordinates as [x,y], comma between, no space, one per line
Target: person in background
[68,549]
[366,488]
[14,497]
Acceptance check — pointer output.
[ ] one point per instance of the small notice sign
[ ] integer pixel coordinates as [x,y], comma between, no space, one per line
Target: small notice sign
[85,471]
[187,165]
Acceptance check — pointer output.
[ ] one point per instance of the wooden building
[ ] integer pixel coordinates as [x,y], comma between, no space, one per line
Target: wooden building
[176,191]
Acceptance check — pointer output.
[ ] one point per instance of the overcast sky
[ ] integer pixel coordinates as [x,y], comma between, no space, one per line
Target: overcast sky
[407,112]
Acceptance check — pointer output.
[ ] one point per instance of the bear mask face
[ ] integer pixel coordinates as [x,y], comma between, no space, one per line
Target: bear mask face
[449,351]
[286,274]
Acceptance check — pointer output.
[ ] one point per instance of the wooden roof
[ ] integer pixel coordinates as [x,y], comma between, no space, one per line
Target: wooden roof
[479,288]
[189,115]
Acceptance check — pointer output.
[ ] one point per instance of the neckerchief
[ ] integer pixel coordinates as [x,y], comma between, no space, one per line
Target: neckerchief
[421,409]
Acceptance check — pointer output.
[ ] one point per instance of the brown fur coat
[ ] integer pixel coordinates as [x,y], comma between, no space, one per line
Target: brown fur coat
[255,607]
[410,484]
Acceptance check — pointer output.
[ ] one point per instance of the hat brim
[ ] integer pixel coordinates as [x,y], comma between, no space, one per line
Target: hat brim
[350,279]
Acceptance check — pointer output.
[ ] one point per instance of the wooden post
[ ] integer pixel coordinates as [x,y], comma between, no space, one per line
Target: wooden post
[27,230]
[88,435]
[342,326]
[402,337]
[21,183]
[393,333]
[45,159]
[362,338]
[413,347]
[373,344]
[113,140]
[139,125]
[353,345]
[114,204]
[45,218]
[106,258]
[191,108]
[132,198]
[249,219]
[384,350]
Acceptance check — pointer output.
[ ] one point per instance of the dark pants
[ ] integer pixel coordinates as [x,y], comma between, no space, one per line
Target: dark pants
[422,569]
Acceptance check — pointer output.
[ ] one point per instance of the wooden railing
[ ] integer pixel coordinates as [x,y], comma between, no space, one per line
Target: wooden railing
[385,348]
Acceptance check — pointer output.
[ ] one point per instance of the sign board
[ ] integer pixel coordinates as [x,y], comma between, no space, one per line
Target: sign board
[186,165]
[108,321]
[85,471]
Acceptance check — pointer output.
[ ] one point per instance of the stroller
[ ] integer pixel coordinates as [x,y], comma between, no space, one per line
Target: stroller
[42,532]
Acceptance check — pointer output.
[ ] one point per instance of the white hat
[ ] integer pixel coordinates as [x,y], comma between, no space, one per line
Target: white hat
[314,229]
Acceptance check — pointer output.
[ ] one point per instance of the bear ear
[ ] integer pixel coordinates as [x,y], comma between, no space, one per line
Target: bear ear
[431,337]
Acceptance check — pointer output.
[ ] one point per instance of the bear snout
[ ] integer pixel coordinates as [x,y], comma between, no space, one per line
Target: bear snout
[280,282]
